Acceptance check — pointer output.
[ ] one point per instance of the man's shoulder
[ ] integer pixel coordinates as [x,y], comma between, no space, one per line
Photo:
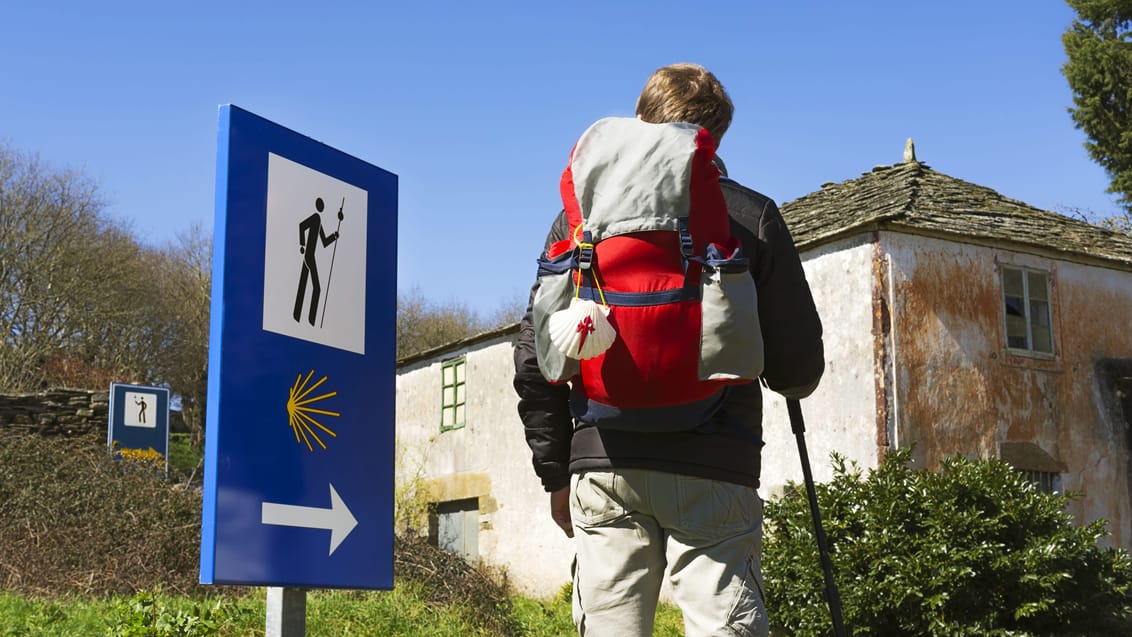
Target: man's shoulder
[740,191]
[746,205]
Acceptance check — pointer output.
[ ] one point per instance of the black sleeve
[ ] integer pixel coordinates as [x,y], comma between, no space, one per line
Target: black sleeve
[792,330]
[544,407]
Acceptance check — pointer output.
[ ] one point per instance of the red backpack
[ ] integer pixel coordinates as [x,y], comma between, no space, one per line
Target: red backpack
[651,278]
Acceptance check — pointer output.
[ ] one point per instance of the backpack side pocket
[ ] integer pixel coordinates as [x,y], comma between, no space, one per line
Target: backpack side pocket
[731,340]
[555,290]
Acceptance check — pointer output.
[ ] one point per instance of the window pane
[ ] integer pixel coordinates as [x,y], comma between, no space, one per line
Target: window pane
[1037,283]
[446,417]
[459,415]
[1016,332]
[460,397]
[1040,327]
[448,397]
[1015,306]
[1012,282]
[460,371]
[1039,313]
[448,375]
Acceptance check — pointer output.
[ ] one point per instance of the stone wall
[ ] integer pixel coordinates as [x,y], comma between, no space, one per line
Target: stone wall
[55,412]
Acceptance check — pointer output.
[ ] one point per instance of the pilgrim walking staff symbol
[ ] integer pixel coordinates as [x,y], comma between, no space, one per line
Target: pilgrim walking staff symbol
[311,233]
[141,403]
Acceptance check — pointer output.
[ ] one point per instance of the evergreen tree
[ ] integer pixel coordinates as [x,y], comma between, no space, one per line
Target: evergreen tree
[1099,70]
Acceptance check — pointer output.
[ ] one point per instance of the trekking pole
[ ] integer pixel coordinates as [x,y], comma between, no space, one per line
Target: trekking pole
[832,596]
[333,254]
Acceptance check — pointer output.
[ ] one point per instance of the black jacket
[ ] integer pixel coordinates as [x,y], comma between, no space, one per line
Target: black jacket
[729,445]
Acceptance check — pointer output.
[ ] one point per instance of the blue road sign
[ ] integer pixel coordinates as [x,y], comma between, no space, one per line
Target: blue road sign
[139,419]
[298,475]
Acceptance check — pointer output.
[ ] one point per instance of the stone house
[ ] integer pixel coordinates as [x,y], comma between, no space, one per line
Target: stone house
[957,321]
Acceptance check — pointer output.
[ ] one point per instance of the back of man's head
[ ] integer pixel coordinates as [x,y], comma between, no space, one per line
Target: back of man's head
[686,93]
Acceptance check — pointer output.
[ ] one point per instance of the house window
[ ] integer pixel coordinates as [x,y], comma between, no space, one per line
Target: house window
[1026,302]
[1040,468]
[1046,481]
[453,393]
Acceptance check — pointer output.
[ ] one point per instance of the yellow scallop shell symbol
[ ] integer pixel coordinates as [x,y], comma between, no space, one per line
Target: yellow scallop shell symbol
[301,413]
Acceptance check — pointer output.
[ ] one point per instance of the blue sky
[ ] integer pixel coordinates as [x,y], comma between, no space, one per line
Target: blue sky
[475,105]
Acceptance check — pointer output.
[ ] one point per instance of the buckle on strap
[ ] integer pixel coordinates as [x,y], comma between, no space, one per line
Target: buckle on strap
[586,251]
[686,246]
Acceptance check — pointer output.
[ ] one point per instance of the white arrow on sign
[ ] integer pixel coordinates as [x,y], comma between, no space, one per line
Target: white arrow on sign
[337,519]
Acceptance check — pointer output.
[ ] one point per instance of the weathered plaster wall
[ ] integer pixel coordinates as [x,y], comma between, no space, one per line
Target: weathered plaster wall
[487,459]
[960,391]
[841,414]
[915,355]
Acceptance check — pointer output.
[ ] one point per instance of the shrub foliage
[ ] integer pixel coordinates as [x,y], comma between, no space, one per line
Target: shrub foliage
[973,549]
[72,520]
[482,594]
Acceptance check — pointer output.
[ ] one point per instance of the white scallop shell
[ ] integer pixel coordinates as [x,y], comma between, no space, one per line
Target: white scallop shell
[582,330]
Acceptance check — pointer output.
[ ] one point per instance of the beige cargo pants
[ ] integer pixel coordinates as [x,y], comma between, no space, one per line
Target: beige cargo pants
[632,524]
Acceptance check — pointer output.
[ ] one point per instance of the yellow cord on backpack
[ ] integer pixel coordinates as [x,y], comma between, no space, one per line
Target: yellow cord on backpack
[593,271]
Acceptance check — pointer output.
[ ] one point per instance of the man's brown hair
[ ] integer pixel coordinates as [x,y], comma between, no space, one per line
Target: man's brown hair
[686,93]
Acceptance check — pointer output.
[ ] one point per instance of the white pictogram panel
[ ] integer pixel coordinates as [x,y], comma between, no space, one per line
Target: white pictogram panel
[314,270]
[140,410]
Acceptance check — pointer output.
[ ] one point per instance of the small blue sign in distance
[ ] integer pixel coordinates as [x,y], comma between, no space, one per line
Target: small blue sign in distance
[139,419]
[298,473]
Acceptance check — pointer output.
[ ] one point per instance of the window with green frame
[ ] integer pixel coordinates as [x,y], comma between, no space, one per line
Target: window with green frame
[453,393]
[1026,301]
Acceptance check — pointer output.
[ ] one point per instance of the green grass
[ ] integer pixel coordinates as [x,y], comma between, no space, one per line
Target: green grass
[535,618]
[402,612]
[21,616]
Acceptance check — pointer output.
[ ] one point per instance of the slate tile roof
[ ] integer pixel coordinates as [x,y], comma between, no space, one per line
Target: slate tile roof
[913,197]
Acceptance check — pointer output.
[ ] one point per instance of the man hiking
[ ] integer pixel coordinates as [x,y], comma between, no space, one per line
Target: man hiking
[678,503]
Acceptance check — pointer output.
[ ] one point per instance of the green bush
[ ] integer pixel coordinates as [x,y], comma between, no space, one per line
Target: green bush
[974,549]
[74,521]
